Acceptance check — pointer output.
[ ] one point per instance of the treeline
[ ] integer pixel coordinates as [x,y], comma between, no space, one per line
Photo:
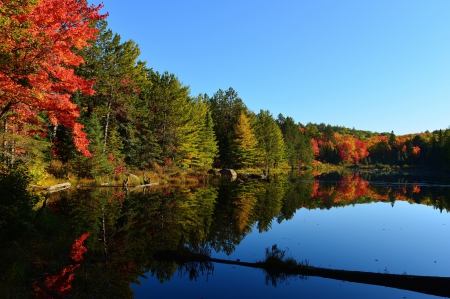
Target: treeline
[121,113]
[75,99]
[429,150]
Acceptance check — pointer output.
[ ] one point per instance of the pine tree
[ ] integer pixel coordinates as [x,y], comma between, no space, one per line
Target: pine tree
[119,78]
[270,140]
[177,119]
[207,147]
[225,107]
[291,137]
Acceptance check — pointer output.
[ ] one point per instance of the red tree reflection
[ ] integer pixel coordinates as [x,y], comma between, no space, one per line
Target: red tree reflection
[352,187]
[61,284]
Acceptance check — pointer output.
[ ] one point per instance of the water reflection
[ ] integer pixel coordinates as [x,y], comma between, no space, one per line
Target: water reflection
[332,191]
[126,230]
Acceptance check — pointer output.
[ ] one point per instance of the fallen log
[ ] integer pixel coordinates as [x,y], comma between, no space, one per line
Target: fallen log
[120,186]
[58,187]
[148,185]
[431,285]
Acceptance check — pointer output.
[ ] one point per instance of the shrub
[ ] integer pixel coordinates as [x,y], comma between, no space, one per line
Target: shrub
[16,202]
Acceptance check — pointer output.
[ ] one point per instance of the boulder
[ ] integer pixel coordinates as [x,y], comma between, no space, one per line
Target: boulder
[228,173]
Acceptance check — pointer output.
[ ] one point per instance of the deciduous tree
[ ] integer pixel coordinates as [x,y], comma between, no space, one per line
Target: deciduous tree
[245,143]
[37,42]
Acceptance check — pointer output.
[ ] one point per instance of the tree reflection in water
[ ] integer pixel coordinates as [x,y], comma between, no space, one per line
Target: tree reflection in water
[126,231]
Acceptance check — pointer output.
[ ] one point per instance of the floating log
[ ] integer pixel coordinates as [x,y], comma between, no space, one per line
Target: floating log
[58,187]
[38,187]
[147,185]
[432,285]
[120,186]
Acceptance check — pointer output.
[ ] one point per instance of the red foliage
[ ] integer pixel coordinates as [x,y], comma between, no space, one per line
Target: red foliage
[78,249]
[416,151]
[315,146]
[315,190]
[167,192]
[351,149]
[352,187]
[62,283]
[120,169]
[38,43]
[119,197]
[168,162]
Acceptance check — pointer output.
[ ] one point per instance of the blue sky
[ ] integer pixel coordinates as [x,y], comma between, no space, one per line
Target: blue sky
[373,65]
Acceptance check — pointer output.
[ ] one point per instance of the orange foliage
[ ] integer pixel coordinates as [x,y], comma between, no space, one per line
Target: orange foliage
[351,187]
[416,151]
[379,145]
[36,71]
[62,283]
[351,149]
[315,146]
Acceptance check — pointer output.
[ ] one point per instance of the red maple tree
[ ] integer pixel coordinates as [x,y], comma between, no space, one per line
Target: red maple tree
[37,39]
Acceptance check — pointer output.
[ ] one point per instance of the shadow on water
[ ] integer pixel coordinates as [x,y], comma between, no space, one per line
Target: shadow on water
[279,270]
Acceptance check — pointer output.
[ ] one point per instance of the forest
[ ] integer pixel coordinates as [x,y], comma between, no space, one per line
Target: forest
[76,102]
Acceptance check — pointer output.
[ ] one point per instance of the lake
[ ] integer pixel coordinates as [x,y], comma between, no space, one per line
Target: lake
[372,222]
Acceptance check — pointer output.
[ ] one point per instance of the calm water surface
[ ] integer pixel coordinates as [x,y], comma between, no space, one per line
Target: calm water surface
[382,230]
[363,222]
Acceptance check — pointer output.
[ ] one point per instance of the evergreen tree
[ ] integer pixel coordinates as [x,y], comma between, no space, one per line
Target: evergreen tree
[305,150]
[298,145]
[190,129]
[119,77]
[225,107]
[97,165]
[207,148]
[175,120]
[270,140]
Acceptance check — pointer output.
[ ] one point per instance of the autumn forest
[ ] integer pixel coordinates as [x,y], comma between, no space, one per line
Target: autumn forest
[76,100]
[77,105]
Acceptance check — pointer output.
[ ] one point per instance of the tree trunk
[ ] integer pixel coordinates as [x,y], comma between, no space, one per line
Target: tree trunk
[55,128]
[105,136]
[5,143]
[5,109]
[104,231]
[12,150]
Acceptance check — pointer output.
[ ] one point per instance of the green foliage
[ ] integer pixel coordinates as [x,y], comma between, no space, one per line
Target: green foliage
[315,129]
[207,147]
[270,140]
[98,164]
[298,146]
[143,118]
[225,107]
[181,125]
[119,77]
[16,202]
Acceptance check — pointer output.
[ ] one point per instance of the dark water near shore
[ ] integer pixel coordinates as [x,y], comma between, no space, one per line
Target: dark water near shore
[363,222]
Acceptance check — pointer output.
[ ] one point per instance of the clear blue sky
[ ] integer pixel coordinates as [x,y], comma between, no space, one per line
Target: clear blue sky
[374,65]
